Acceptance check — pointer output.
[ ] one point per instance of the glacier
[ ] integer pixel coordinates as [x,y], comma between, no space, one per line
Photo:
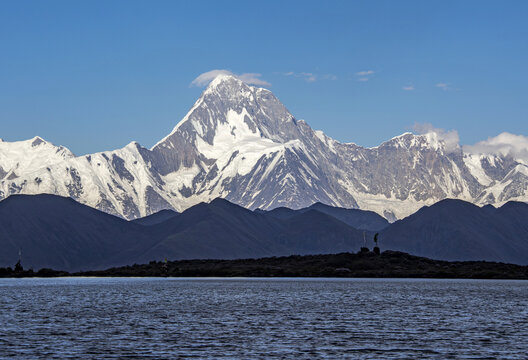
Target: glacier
[239,142]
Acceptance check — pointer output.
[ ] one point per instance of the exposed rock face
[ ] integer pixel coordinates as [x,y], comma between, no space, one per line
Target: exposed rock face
[240,142]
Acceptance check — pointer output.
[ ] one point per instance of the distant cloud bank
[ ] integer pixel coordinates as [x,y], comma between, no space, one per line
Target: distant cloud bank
[502,144]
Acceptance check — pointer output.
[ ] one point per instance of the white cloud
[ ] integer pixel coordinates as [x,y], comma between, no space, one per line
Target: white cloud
[365,73]
[502,144]
[329,77]
[443,86]
[253,78]
[248,78]
[450,137]
[311,77]
[408,88]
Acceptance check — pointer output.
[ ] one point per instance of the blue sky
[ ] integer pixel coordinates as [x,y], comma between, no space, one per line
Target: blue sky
[96,75]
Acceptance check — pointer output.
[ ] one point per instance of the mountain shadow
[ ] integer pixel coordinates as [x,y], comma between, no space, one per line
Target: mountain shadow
[59,233]
[156,218]
[458,230]
[359,219]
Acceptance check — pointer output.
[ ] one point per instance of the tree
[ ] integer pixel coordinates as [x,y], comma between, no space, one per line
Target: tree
[376,248]
[18,267]
[364,248]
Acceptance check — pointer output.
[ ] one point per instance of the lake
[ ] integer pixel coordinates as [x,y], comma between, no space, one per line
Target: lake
[263,318]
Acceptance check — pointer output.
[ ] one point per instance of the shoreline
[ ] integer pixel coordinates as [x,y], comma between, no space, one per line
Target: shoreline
[301,278]
[388,264]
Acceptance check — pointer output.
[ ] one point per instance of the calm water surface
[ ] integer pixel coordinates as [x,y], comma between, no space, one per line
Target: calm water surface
[262,318]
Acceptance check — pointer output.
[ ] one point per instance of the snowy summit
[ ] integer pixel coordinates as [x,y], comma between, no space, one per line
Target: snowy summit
[239,142]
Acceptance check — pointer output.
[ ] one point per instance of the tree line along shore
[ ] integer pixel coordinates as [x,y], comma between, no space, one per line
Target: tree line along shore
[365,263]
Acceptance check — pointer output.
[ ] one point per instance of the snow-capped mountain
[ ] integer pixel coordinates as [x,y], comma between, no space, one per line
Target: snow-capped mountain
[241,143]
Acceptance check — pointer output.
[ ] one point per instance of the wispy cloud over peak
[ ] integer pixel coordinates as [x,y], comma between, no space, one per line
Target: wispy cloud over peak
[249,78]
[450,138]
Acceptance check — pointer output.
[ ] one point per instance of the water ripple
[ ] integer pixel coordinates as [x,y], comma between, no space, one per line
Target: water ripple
[137,318]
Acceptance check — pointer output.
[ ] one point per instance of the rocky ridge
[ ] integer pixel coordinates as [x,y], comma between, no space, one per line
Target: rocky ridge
[240,143]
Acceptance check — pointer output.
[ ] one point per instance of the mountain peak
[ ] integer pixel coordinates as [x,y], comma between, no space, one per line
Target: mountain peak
[37,140]
[225,81]
[222,78]
[241,143]
[430,140]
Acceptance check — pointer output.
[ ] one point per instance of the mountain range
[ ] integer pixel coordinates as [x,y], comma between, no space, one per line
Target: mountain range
[60,233]
[240,143]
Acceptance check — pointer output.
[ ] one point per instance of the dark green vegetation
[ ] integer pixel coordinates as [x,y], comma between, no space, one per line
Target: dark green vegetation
[43,273]
[19,272]
[389,264]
